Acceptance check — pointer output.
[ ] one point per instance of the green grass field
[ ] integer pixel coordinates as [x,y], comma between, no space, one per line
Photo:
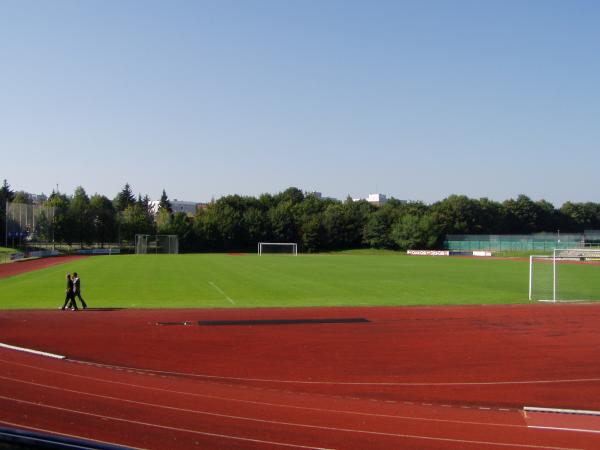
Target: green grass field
[224,281]
[5,253]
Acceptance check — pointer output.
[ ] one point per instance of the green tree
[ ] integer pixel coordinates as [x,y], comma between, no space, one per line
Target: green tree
[124,199]
[291,194]
[165,203]
[22,197]
[313,234]
[457,214]
[163,221]
[135,220]
[548,218]
[182,226]
[378,227]
[492,216]
[256,224]
[206,229]
[229,221]
[63,226]
[104,219]
[344,223]
[80,217]
[415,232]
[578,217]
[522,215]
[282,222]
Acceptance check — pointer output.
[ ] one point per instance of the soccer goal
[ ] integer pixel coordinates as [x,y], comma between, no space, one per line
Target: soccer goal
[568,275]
[141,244]
[167,243]
[161,243]
[289,248]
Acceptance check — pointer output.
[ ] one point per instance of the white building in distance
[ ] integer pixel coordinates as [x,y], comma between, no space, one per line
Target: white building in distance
[189,208]
[374,199]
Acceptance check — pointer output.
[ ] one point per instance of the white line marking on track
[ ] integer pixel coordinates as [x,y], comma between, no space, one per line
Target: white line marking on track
[579,430]
[221,292]
[252,402]
[318,427]
[28,350]
[136,422]
[347,383]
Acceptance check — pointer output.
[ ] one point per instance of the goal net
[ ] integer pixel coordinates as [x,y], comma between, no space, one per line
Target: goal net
[288,248]
[141,244]
[167,243]
[567,275]
[161,243]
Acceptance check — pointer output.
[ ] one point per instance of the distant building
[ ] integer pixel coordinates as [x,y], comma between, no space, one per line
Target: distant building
[377,199]
[189,208]
[319,195]
[38,199]
[374,199]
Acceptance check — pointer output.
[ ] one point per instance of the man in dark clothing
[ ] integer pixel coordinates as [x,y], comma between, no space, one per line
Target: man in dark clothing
[70,297]
[77,290]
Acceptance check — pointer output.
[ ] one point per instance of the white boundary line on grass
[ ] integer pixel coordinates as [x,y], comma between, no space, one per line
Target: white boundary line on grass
[35,352]
[220,291]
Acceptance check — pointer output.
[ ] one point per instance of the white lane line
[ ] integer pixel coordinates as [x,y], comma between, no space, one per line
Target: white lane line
[154,425]
[346,383]
[220,291]
[317,427]
[578,430]
[252,402]
[34,352]
[56,433]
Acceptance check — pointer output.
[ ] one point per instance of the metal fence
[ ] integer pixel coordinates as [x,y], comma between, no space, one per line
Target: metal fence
[522,242]
[28,223]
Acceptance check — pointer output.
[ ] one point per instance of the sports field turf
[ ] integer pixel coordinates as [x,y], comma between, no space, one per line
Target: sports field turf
[224,281]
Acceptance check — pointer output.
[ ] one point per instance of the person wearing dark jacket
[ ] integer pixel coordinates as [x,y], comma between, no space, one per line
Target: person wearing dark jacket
[70,297]
[77,290]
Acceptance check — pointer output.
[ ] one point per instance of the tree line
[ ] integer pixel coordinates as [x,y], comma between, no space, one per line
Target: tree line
[237,223]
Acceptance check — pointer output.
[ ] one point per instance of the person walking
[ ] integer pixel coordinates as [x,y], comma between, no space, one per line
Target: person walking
[77,290]
[70,297]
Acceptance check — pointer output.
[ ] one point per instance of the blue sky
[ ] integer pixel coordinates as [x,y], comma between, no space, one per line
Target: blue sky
[417,100]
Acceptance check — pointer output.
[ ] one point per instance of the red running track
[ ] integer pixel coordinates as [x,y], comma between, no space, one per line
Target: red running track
[430,378]
[19,267]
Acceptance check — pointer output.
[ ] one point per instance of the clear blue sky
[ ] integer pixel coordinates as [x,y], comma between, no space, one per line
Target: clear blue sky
[417,100]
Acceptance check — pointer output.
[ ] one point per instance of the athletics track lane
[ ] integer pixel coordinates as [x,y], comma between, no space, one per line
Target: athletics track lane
[503,356]
[19,267]
[149,410]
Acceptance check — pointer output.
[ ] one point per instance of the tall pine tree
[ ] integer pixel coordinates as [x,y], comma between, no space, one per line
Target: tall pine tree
[124,199]
[165,203]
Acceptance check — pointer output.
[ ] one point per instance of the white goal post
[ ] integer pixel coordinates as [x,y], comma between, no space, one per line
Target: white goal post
[565,276]
[293,247]
[141,244]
